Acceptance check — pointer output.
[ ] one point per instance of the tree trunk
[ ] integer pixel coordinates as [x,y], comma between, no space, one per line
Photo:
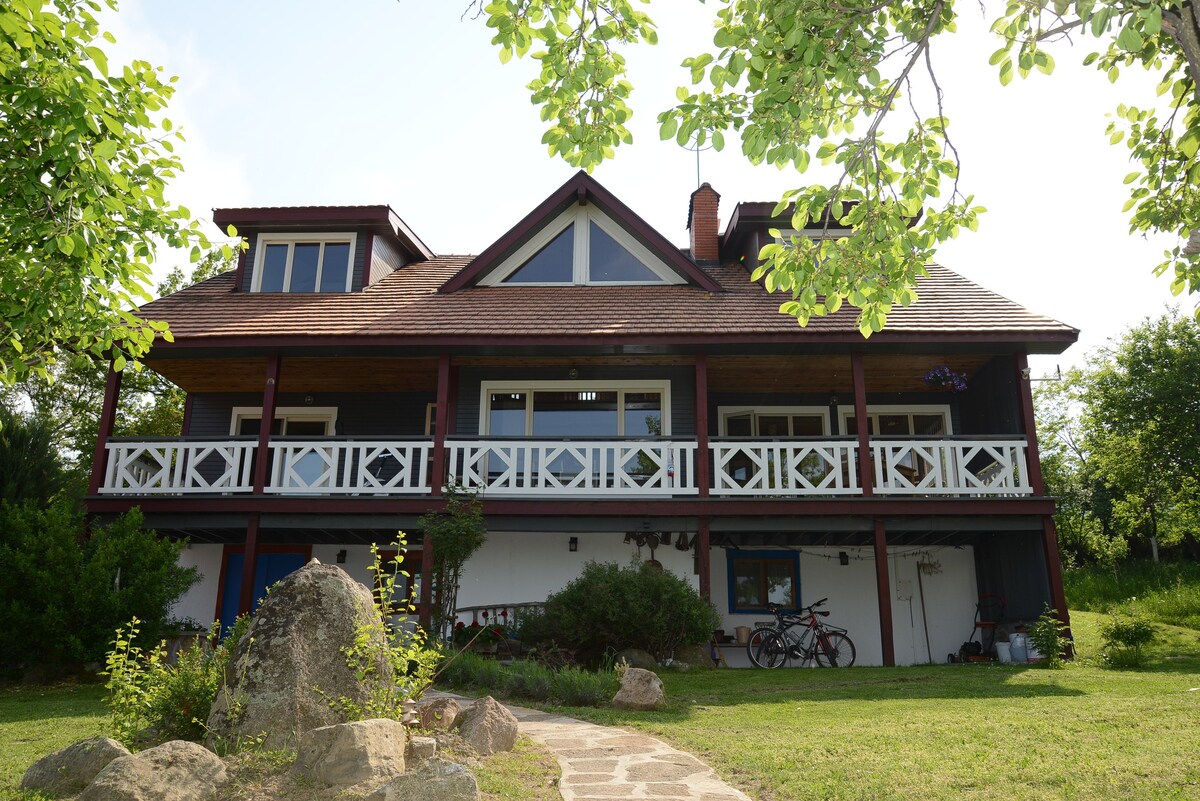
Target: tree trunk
[1181,24]
[1154,548]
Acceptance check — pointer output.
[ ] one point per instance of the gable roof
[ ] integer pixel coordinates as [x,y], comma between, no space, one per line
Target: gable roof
[406,308]
[581,188]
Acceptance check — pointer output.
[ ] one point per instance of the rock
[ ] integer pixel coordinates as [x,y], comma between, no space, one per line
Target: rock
[293,645]
[174,771]
[440,714]
[695,656]
[421,748]
[434,780]
[640,690]
[350,753]
[68,771]
[488,726]
[638,659]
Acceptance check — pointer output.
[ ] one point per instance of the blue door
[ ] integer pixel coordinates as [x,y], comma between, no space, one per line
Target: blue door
[270,568]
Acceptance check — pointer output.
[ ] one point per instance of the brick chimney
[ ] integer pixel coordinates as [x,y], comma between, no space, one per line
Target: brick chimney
[702,222]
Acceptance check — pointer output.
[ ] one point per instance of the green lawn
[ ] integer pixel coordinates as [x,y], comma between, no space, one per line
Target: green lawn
[934,732]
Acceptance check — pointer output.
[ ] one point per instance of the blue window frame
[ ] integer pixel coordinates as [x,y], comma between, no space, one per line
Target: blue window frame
[760,577]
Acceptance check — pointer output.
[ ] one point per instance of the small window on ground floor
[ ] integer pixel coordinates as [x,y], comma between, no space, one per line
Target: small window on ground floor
[759,578]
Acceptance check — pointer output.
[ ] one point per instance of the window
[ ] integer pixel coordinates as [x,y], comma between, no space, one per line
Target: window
[796,422]
[901,421]
[289,263]
[583,246]
[290,421]
[758,578]
[570,409]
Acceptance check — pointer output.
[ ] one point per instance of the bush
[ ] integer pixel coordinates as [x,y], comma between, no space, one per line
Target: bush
[576,687]
[1047,636]
[1124,637]
[640,606]
[1166,592]
[62,595]
[530,680]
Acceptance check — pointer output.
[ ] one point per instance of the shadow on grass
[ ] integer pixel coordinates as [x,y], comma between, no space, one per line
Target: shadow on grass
[24,703]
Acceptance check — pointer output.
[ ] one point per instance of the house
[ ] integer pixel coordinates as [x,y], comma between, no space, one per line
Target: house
[609,396]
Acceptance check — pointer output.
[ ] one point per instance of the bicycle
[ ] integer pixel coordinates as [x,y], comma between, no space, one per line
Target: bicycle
[818,644]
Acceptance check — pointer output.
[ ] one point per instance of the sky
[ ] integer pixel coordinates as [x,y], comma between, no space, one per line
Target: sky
[405,102]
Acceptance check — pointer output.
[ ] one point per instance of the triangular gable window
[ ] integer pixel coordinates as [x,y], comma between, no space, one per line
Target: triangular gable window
[582,246]
[551,265]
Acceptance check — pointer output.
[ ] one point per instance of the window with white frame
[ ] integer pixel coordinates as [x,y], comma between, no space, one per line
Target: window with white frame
[304,263]
[582,246]
[774,421]
[290,421]
[575,409]
[900,421]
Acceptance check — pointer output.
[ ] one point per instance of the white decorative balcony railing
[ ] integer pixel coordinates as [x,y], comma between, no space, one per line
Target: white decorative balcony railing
[565,469]
[756,467]
[950,467]
[975,467]
[321,467]
[155,467]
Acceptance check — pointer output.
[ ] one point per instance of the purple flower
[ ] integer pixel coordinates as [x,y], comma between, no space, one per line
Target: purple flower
[942,377]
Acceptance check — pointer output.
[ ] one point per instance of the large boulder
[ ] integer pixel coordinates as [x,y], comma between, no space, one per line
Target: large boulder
[174,771]
[289,664]
[488,726]
[440,714]
[435,780]
[635,657]
[640,690]
[346,754]
[69,770]
[695,656]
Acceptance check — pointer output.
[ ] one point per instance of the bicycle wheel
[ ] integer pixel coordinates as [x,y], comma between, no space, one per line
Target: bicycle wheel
[834,649]
[766,648]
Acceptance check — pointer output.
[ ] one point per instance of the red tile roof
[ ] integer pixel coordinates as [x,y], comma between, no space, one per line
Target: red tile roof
[405,307]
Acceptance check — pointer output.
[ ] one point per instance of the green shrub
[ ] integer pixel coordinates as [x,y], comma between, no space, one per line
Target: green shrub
[530,680]
[457,669]
[577,687]
[1124,638]
[62,595]
[640,606]
[1166,592]
[1047,636]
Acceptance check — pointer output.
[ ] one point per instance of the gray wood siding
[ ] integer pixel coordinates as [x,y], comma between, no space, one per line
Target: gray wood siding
[682,382]
[384,259]
[360,247]
[383,414]
[990,404]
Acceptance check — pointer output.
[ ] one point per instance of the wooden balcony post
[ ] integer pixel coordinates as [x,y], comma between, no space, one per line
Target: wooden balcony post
[108,419]
[703,560]
[866,475]
[883,586]
[702,480]
[425,608]
[261,460]
[1058,596]
[1028,423]
[442,420]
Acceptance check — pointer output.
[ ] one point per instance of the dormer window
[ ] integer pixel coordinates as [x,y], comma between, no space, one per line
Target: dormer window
[582,246]
[304,263]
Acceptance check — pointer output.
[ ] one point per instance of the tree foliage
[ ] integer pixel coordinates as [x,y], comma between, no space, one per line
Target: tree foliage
[454,534]
[87,154]
[805,81]
[1122,445]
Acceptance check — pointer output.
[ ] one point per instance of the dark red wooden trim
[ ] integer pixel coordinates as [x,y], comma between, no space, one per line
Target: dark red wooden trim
[366,273]
[108,419]
[186,425]
[221,582]
[452,407]
[441,410]
[1058,595]
[702,479]
[704,559]
[240,273]
[249,565]
[262,457]
[679,507]
[314,214]
[883,587]
[1029,422]
[800,337]
[425,610]
[866,472]
[581,185]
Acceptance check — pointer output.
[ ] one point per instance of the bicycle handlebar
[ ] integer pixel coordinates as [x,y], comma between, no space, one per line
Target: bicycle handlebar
[811,609]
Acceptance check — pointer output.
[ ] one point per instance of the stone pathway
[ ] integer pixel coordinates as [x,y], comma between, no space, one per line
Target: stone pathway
[600,763]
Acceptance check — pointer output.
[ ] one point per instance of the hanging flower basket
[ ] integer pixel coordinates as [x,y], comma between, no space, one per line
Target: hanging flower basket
[944,379]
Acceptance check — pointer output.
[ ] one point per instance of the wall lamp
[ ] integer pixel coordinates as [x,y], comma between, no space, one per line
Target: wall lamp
[843,557]
[573,544]
[341,557]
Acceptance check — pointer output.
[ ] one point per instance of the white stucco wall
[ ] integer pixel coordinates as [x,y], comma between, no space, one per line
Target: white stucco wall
[200,602]
[950,598]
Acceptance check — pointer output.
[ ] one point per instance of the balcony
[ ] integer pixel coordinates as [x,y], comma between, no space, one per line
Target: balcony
[566,469]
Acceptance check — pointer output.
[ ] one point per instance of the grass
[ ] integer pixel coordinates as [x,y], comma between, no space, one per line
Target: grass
[34,721]
[1167,592]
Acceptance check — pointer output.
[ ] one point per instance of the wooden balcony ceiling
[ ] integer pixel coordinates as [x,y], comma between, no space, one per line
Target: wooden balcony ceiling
[796,374]
[302,374]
